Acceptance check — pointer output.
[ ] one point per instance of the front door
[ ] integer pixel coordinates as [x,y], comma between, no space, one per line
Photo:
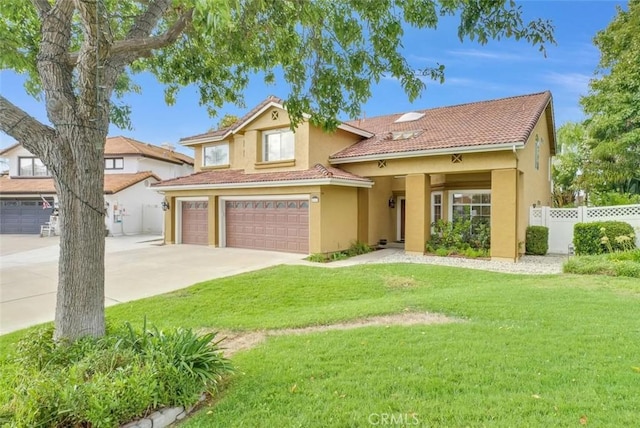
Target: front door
[402,214]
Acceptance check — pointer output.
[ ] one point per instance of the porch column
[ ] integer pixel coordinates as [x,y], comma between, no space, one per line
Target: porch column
[170,221]
[418,213]
[504,215]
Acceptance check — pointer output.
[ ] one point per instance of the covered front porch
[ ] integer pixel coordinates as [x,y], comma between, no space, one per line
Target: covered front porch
[402,208]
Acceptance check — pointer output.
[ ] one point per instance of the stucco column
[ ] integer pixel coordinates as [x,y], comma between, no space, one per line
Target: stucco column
[504,214]
[418,213]
[169,221]
[212,226]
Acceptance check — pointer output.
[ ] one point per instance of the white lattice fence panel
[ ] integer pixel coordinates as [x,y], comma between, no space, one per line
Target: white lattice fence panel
[618,212]
[560,214]
[560,221]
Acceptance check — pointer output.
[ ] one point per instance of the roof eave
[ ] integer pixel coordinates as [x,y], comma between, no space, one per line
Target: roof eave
[432,152]
[265,184]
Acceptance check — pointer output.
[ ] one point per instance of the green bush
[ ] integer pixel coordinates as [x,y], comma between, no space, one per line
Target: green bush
[358,248]
[625,263]
[602,236]
[108,381]
[462,237]
[537,240]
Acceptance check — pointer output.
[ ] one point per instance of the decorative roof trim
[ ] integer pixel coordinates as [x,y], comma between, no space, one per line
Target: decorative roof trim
[255,184]
[235,129]
[432,152]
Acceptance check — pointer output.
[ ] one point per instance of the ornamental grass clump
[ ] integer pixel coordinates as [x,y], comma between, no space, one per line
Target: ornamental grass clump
[111,380]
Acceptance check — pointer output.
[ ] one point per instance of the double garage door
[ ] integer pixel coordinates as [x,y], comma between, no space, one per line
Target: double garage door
[276,225]
[23,216]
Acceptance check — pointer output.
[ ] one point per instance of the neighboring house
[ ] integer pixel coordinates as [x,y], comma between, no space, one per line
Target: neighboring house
[260,185]
[28,194]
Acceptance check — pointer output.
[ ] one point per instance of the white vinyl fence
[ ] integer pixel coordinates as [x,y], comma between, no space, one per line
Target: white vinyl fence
[560,221]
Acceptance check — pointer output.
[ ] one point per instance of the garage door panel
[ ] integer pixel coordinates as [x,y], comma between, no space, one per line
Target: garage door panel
[270,225]
[195,228]
[23,216]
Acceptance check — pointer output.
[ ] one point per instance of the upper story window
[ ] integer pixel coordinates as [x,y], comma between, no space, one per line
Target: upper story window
[536,157]
[215,155]
[32,167]
[114,163]
[278,145]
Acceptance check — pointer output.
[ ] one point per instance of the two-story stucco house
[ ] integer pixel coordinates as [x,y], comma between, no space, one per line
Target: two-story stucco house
[261,185]
[28,194]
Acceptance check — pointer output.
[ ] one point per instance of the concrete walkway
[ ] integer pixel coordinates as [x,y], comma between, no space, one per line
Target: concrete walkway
[135,266]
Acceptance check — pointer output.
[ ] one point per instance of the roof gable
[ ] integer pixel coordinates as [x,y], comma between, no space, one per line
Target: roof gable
[254,113]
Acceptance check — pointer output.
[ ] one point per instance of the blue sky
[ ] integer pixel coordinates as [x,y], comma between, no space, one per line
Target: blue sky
[473,72]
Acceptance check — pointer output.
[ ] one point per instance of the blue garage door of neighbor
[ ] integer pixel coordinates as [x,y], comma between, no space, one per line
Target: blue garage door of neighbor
[23,215]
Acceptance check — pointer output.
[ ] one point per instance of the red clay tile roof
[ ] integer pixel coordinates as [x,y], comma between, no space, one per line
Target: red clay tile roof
[223,131]
[113,183]
[238,176]
[506,120]
[118,146]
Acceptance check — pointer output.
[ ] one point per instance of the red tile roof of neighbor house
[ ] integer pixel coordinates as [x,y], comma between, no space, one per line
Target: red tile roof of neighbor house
[238,176]
[484,123]
[119,146]
[113,183]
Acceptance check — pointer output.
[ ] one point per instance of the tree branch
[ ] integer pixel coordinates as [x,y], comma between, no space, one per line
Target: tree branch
[42,6]
[24,128]
[135,48]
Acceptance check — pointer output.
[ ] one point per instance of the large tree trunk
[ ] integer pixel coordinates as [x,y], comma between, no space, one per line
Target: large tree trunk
[79,181]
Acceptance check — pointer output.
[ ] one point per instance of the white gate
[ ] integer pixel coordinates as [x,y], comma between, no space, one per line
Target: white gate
[560,221]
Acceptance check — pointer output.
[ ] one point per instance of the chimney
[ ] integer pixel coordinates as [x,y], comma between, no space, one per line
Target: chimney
[168,146]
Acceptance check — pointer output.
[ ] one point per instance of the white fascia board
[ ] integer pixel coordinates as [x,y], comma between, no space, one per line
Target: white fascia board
[28,195]
[203,140]
[357,131]
[432,152]
[263,184]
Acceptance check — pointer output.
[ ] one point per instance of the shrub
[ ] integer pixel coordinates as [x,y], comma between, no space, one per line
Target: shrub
[602,236]
[317,258]
[537,240]
[459,236]
[109,381]
[614,264]
[358,248]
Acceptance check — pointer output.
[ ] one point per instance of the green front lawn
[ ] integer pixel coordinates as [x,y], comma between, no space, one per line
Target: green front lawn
[532,350]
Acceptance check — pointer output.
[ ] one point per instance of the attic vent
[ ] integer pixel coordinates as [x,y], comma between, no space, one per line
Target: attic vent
[274,115]
[405,135]
[409,117]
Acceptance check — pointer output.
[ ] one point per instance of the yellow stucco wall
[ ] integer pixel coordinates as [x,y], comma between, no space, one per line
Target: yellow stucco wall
[536,185]
[339,218]
[471,162]
[418,214]
[323,144]
[380,221]
[504,214]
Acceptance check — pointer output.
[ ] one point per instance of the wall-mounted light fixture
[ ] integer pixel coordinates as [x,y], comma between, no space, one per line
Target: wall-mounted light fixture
[392,202]
[315,199]
[165,205]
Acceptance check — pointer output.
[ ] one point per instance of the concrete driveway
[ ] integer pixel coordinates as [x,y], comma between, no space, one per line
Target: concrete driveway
[136,267]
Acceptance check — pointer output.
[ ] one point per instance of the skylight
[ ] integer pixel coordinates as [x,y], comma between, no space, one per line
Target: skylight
[409,117]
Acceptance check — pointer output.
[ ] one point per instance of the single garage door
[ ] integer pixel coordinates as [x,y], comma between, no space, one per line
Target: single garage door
[23,215]
[277,225]
[195,229]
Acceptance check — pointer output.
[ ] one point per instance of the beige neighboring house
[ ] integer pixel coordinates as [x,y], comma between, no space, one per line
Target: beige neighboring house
[258,184]
[28,194]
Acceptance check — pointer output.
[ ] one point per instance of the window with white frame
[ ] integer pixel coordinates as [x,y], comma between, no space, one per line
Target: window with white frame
[278,145]
[216,155]
[32,167]
[436,206]
[472,205]
[114,163]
